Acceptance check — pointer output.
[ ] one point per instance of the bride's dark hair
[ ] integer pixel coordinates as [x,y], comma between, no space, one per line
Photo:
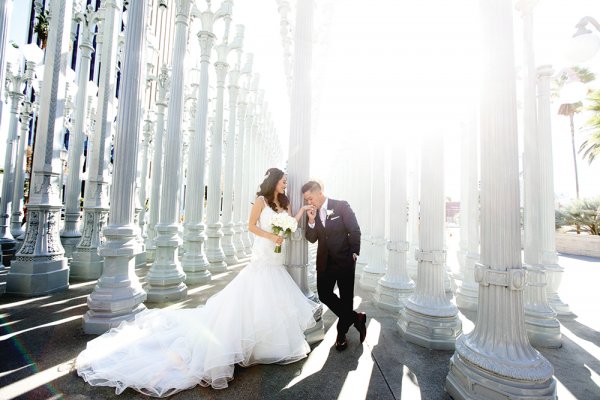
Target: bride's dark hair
[267,189]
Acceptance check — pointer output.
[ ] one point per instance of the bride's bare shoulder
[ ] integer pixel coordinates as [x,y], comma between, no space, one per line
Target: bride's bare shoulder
[260,201]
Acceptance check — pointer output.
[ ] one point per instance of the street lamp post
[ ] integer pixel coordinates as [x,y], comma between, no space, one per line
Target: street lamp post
[194,262]
[584,43]
[395,286]
[70,235]
[157,160]
[87,263]
[246,193]
[542,326]
[467,290]
[495,360]
[15,84]
[296,260]
[214,250]
[165,278]
[227,219]
[40,266]
[240,157]
[376,267]
[33,56]
[118,295]
[429,319]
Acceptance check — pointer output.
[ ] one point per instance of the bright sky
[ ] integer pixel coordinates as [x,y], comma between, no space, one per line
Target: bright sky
[392,68]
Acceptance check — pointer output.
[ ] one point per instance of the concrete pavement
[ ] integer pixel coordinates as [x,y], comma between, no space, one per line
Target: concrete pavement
[41,336]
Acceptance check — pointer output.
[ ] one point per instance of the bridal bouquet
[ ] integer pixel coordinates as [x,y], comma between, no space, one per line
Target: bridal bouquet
[283,225]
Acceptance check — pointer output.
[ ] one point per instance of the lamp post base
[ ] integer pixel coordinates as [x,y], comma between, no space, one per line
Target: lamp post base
[467,381]
[432,332]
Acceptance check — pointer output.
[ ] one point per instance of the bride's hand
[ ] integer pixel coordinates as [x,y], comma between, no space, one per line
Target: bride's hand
[278,240]
[307,208]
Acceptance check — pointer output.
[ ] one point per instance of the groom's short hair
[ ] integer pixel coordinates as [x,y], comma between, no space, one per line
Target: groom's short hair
[311,186]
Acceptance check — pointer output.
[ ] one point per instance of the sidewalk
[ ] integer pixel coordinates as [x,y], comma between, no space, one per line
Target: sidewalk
[40,337]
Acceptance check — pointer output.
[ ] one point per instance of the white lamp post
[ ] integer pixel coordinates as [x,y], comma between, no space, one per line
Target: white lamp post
[429,319]
[195,263]
[227,218]
[240,157]
[495,360]
[165,278]
[162,89]
[395,286]
[376,267]
[214,250]
[15,84]
[246,193]
[70,235]
[118,295]
[585,44]
[33,56]
[40,266]
[87,263]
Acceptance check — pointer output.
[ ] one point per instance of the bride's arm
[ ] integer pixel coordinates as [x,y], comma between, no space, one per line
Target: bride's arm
[257,208]
[300,211]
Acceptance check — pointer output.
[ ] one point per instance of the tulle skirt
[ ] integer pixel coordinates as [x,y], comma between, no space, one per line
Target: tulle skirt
[260,317]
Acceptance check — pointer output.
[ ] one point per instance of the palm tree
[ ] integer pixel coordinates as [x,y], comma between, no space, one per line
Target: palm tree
[591,146]
[570,109]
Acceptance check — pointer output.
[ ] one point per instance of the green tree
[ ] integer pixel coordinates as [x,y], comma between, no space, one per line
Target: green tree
[570,109]
[580,215]
[591,146]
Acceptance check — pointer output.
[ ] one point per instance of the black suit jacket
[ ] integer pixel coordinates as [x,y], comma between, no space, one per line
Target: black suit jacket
[338,239]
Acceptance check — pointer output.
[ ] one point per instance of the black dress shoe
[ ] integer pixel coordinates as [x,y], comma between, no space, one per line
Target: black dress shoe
[361,325]
[341,343]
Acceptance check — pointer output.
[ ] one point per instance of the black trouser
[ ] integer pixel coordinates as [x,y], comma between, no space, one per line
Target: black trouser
[341,306]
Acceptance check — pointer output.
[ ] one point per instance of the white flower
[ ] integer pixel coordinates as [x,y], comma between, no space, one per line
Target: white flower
[329,213]
[284,223]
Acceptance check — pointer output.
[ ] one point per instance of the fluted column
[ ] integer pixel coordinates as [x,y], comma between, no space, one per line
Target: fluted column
[118,295]
[429,318]
[148,134]
[496,360]
[412,266]
[214,250]
[542,326]
[5,14]
[467,291]
[363,211]
[195,263]
[99,44]
[249,179]
[165,278]
[40,266]
[547,231]
[15,84]
[296,257]
[16,228]
[70,235]
[87,263]
[377,263]
[163,83]
[228,167]
[396,286]
[241,142]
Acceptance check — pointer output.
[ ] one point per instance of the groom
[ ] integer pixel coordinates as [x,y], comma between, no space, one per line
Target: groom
[334,225]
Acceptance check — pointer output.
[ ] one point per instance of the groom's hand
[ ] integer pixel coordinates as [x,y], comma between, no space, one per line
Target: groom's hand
[312,213]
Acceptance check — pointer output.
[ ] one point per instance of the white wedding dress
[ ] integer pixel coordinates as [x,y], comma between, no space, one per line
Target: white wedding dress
[258,318]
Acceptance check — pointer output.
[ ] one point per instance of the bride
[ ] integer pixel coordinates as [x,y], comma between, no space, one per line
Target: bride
[259,317]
